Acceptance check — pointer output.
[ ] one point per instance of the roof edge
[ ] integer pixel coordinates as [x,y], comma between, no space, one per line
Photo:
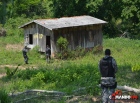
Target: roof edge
[26,24]
[42,24]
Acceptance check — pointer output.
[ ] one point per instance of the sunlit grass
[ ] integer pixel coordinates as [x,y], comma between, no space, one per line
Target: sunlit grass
[125,51]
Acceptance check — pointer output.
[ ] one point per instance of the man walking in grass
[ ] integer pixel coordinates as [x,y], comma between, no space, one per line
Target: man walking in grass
[24,51]
[108,68]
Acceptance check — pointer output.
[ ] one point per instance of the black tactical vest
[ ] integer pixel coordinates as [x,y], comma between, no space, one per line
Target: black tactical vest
[106,67]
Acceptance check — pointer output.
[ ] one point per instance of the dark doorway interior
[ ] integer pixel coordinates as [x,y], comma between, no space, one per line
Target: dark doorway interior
[30,39]
[48,41]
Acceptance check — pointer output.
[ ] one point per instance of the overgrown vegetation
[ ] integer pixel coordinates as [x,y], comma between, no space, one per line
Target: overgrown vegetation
[65,53]
[69,75]
[67,78]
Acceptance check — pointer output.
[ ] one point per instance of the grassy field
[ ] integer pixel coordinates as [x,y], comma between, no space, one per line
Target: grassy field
[68,75]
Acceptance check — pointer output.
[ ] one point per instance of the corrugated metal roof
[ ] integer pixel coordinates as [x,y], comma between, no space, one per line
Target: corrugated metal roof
[66,22]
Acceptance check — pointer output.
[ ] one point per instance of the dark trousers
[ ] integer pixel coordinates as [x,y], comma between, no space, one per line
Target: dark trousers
[106,92]
[25,59]
[48,57]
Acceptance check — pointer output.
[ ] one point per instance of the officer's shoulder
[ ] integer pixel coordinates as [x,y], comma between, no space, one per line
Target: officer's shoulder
[113,58]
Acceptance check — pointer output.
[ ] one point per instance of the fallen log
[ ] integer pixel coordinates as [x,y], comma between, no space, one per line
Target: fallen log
[126,88]
[35,97]
[58,94]
[130,89]
[55,95]
[35,90]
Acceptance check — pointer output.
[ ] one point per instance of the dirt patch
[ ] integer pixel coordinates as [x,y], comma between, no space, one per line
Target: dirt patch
[14,47]
[2,75]
[95,99]
[9,66]
[84,99]
[12,66]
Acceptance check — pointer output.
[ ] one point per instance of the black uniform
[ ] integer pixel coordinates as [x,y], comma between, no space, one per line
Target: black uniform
[24,51]
[48,54]
[108,68]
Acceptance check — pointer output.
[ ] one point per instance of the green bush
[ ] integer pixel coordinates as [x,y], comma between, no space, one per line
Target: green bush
[65,53]
[135,68]
[37,80]
[27,74]
[62,43]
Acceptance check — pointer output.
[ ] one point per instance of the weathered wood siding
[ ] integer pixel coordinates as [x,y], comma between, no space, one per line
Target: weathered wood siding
[39,35]
[43,32]
[30,29]
[86,37]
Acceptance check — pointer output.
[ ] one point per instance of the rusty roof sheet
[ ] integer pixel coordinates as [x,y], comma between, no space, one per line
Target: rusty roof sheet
[66,22]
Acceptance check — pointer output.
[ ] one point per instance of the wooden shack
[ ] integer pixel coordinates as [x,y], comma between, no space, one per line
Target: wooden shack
[83,31]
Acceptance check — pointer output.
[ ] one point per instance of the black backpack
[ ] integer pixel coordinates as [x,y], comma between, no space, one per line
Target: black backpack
[106,67]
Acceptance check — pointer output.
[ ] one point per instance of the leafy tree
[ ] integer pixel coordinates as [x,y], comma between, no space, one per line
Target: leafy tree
[68,7]
[93,6]
[3,4]
[10,9]
[131,17]
[121,15]
[110,11]
[12,25]
[29,7]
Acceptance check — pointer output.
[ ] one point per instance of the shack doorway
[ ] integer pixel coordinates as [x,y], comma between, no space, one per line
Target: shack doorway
[30,38]
[48,41]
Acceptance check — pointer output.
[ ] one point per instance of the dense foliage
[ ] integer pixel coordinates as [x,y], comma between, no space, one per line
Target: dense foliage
[123,16]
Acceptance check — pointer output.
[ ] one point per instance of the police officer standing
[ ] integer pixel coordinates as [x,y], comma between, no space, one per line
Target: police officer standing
[48,53]
[24,51]
[108,68]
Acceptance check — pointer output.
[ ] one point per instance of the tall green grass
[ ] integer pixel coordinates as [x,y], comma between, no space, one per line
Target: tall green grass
[4,98]
[127,54]
[69,75]
[66,78]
